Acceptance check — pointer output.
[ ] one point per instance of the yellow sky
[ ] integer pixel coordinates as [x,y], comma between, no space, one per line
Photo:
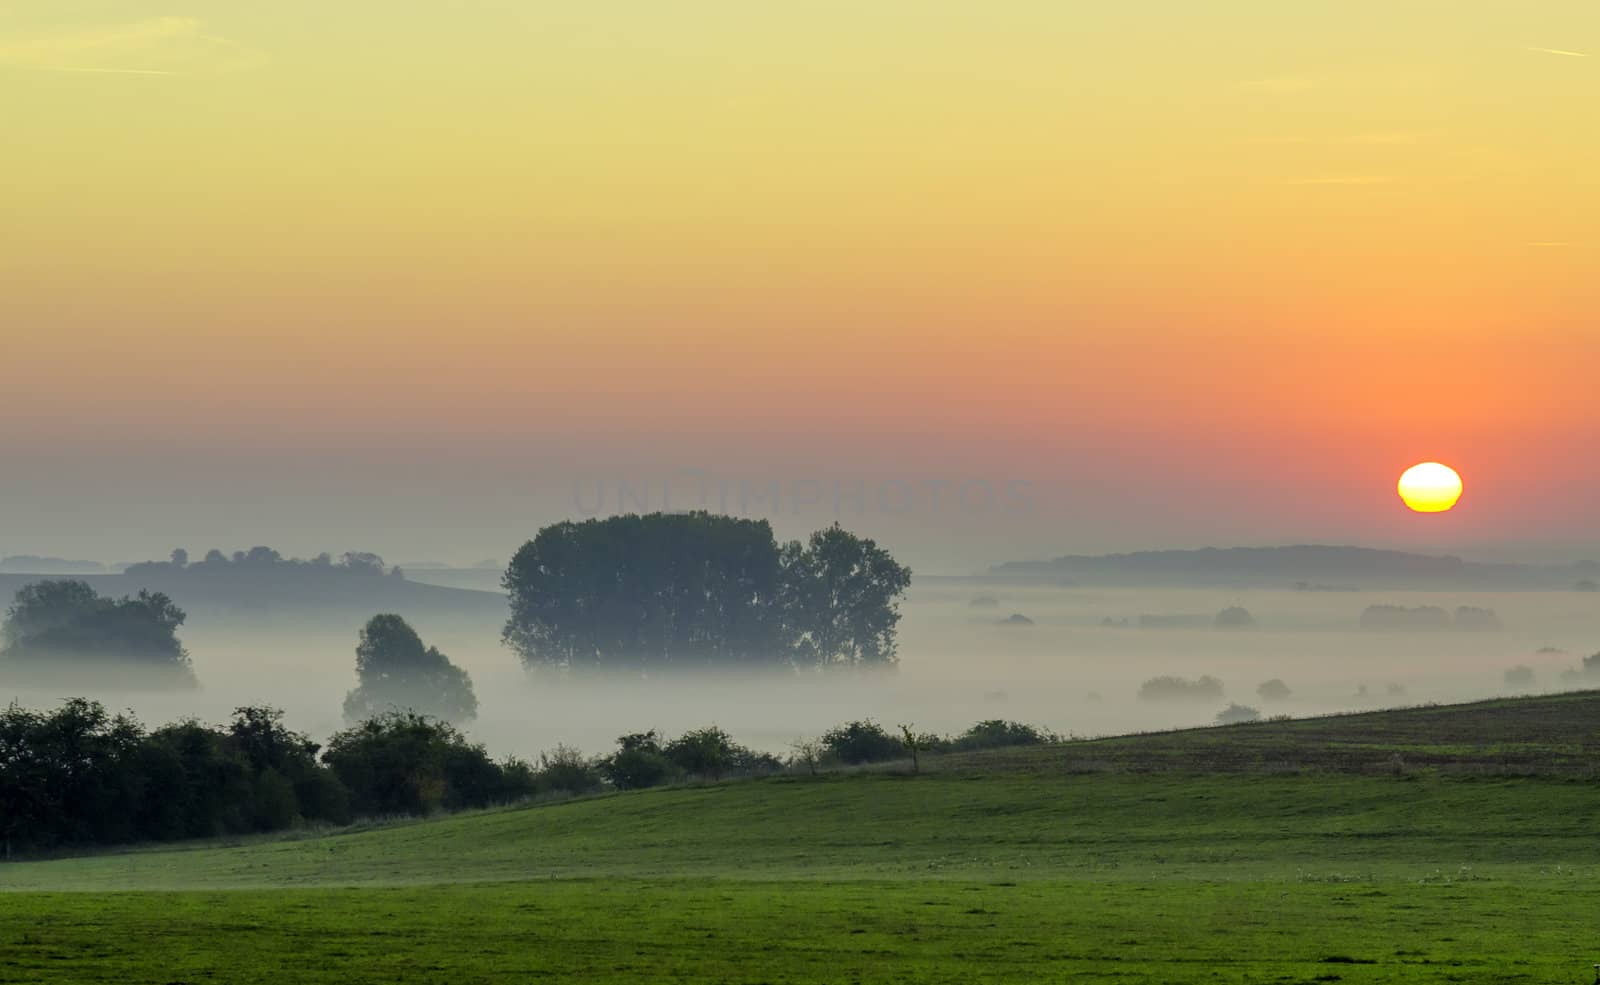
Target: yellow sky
[1314,222]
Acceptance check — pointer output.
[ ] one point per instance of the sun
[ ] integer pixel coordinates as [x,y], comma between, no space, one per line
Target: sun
[1430,487]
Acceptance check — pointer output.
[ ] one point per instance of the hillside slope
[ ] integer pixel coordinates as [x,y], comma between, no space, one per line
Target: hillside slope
[1199,803]
[1551,735]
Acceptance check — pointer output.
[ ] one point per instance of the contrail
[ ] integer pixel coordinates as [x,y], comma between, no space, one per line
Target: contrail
[1559,51]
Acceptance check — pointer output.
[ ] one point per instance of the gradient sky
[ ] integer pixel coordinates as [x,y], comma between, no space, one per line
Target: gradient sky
[419,278]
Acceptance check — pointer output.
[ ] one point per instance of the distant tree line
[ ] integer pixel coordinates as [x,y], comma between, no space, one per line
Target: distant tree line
[55,628]
[664,592]
[79,775]
[265,559]
[1168,688]
[1429,617]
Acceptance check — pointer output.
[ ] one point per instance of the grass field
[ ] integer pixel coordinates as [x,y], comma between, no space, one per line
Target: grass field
[1280,852]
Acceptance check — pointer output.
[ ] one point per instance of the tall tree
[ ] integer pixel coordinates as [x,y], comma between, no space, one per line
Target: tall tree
[841,599]
[395,671]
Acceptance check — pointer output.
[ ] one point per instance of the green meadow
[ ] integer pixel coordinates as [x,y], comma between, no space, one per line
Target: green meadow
[1438,844]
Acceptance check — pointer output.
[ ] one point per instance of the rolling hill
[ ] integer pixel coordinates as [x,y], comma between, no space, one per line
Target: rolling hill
[1375,847]
[1307,565]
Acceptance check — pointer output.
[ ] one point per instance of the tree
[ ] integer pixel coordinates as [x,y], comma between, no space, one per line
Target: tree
[395,671]
[842,599]
[1273,690]
[806,752]
[65,776]
[647,593]
[43,606]
[913,745]
[180,558]
[61,625]
[362,562]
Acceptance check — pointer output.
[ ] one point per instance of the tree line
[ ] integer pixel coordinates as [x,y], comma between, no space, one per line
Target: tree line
[265,559]
[80,776]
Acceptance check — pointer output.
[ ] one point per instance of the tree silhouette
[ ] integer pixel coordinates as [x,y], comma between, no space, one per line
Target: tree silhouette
[842,599]
[62,625]
[672,591]
[395,671]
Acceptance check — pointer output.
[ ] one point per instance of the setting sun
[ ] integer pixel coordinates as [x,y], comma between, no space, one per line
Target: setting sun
[1430,487]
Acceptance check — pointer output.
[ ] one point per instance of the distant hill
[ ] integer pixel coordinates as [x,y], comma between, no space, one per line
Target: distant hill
[35,565]
[1309,566]
[302,593]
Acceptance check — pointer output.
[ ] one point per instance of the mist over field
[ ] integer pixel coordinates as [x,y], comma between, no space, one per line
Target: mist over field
[959,664]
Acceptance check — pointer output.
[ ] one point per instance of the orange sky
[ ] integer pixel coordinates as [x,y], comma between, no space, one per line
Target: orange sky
[1197,273]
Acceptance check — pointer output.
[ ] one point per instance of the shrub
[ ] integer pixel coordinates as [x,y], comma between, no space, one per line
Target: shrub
[1273,690]
[1519,677]
[638,762]
[405,763]
[567,771]
[862,742]
[996,733]
[1235,617]
[806,754]
[1237,714]
[1477,620]
[703,752]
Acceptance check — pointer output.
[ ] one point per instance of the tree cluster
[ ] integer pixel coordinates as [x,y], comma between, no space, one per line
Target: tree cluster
[645,759]
[1429,617]
[662,592]
[1204,688]
[53,627]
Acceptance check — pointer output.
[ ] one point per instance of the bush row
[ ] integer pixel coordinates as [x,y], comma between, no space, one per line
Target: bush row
[79,775]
